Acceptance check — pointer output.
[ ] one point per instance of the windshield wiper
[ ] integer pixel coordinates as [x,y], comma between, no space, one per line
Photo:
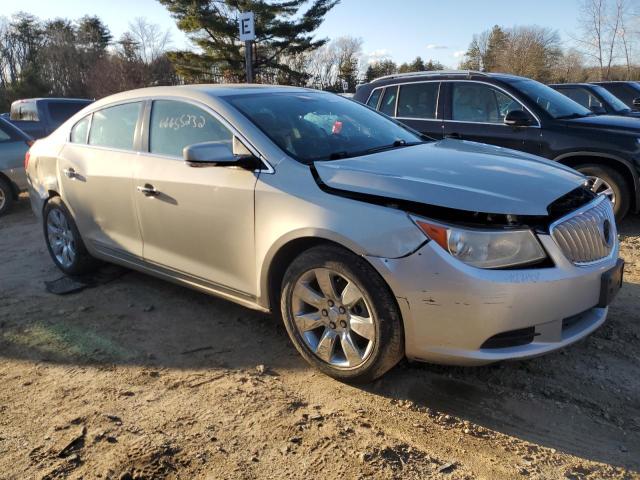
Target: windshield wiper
[396,144]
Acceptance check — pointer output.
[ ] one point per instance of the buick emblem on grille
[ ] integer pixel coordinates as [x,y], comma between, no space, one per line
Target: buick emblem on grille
[606,232]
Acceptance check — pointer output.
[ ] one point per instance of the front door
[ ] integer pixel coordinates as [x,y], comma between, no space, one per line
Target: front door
[476,111]
[96,174]
[199,221]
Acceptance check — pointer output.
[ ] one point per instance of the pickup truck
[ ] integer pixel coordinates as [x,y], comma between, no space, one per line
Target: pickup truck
[38,117]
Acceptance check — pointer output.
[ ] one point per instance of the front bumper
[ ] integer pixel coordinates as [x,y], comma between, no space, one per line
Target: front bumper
[451,309]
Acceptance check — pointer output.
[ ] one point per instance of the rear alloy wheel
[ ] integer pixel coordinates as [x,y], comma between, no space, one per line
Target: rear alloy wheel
[63,240]
[341,315]
[607,181]
[6,196]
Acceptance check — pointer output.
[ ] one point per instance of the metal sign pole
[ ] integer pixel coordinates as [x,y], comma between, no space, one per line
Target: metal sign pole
[248,59]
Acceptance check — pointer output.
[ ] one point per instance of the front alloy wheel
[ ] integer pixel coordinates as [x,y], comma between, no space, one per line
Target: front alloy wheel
[604,180]
[600,186]
[332,317]
[341,315]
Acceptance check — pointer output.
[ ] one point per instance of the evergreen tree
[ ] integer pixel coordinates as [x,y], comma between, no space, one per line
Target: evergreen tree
[283,30]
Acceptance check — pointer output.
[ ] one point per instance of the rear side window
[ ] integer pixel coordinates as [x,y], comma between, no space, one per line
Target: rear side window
[388,104]
[114,127]
[80,130]
[24,111]
[59,112]
[373,99]
[175,125]
[418,100]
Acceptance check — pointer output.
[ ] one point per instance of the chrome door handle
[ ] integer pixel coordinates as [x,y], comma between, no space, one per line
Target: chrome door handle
[70,173]
[147,190]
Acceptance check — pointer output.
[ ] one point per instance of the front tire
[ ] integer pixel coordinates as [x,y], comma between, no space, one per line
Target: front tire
[607,181]
[6,196]
[63,240]
[341,315]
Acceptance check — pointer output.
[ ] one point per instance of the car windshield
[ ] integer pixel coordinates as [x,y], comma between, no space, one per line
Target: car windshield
[313,126]
[554,103]
[618,105]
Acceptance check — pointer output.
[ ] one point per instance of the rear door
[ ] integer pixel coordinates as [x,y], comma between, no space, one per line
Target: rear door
[475,111]
[199,222]
[96,173]
[418,107]
[13,146]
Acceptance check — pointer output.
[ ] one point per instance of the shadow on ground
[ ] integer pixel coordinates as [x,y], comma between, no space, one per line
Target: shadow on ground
[580,401]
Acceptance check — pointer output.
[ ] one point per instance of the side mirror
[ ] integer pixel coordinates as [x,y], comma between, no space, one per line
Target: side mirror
[517,118]
[598,109]
[219,154]
[636,102]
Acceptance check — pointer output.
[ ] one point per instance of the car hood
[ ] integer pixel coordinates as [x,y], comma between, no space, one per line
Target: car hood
[611,122]
[455,174]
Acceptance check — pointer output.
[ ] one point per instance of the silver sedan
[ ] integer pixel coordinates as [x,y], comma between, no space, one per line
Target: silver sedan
[371,241]
[14,144]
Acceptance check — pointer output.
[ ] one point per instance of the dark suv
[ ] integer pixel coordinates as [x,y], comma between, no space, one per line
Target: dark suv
[596,98]
[628,92]
[518,113]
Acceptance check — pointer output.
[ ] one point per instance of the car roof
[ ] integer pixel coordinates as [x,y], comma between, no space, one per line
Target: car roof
[446,74]
[199,92]
[52,99]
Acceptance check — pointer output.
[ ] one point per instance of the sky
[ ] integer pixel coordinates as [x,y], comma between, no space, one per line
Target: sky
[401,29]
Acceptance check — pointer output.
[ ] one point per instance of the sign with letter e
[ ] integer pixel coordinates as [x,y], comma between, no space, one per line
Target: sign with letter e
[247,31]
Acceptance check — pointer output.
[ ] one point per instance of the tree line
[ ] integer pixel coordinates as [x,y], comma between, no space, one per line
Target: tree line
[81,58]
[604,47]
[78,58]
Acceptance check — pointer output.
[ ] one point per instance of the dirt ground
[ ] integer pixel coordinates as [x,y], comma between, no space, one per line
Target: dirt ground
[142,379]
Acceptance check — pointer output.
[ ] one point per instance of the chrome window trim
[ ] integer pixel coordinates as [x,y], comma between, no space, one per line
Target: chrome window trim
[399,84]
[269,168]
[442,81]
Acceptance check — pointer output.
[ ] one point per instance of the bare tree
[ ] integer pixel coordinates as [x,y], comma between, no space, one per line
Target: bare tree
[626,34]
[338,59]
[151,41]
[600,25]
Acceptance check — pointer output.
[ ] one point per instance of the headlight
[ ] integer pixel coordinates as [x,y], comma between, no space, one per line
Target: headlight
[485,248]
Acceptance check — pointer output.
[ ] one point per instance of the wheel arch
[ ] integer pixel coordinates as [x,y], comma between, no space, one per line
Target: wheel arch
[622,166]
[280,259]
[14,189]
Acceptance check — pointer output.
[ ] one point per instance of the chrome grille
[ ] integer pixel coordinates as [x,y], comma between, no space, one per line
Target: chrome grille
[588,234]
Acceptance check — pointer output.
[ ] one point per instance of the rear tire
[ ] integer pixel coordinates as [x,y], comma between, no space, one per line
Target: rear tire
[341,315]
[63,240]
[6,196]
[613,179]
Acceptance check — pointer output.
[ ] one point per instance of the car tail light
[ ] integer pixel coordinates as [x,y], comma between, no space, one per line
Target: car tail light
[26,159]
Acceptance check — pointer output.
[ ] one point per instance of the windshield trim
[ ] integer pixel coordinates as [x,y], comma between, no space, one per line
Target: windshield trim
[517,81]
[228,99]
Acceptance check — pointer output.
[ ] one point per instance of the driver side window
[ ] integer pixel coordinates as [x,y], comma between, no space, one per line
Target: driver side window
[479,103]
[175,125]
